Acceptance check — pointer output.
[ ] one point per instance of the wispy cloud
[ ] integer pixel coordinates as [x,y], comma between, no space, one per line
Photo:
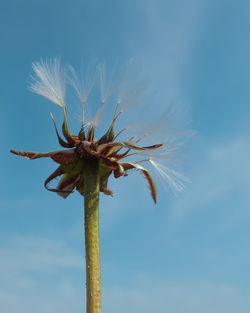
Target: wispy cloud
[37,273]
[223,167]
[34,279]
[173,28]
[44,276]
[151,295]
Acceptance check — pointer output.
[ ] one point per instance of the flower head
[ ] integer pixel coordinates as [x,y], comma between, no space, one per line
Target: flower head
[107,150]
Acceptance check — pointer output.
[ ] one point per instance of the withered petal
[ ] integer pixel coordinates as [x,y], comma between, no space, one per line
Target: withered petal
[127,166]
[60,140]
[32,155]
[65,129]
[119,171]
[63,157]
[66,185]
[106,191]
[58,172]
[125,144]
[111,164]
[104,184]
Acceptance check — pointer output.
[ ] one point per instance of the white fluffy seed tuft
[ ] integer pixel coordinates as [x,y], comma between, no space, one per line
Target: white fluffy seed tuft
[176,181]
[50,80]
[83,84]
[107,86]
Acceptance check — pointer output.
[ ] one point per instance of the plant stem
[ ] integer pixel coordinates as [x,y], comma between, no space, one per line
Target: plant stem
[92,244]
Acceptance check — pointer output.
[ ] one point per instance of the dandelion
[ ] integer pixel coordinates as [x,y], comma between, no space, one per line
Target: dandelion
[88,162]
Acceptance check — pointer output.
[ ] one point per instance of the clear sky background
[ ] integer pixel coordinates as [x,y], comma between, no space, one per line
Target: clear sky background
[187,254]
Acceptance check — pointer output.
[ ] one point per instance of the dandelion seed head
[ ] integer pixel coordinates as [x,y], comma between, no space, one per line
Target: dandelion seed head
[50,80]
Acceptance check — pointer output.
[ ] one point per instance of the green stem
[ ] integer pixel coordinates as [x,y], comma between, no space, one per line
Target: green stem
[92,244]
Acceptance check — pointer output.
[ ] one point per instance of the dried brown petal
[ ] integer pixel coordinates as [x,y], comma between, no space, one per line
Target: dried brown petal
[66,185]
[60,140]
[58,172]
[63,157]
[104,184]
[128,166]
[31,155]
[125,144]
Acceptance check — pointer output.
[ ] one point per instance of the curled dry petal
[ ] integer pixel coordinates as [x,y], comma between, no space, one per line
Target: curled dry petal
[127,166]
[119,171]
[65,129]
[125,144]
[67,184]
[31,155]
[58,172]
[60,140]
[104,184]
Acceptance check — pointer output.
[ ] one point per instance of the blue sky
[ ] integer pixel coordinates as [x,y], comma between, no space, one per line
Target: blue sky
[190,253]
